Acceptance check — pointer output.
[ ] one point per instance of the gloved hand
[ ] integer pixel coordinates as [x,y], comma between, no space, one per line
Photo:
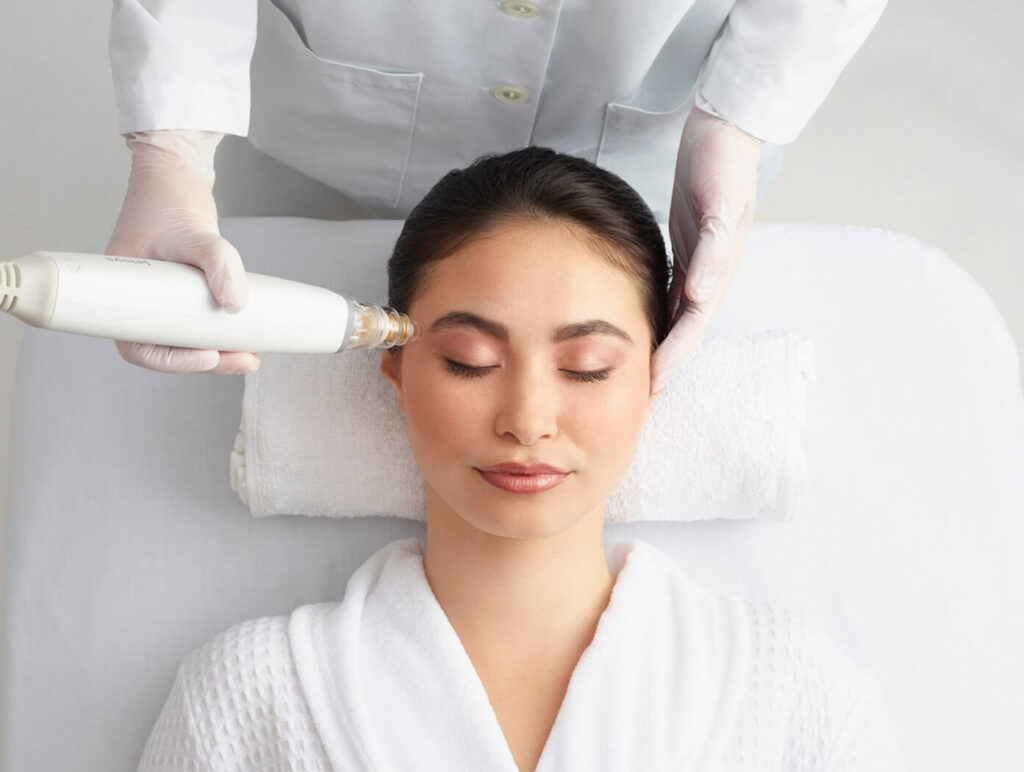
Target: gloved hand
[712,208]
[169,214]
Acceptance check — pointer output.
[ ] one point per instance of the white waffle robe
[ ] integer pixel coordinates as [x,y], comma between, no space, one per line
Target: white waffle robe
[675,678]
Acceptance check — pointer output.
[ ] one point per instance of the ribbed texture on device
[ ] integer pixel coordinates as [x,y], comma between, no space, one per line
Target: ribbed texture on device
[10,279]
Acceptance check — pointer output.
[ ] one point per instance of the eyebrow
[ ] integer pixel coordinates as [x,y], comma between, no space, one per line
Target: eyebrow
[500,331]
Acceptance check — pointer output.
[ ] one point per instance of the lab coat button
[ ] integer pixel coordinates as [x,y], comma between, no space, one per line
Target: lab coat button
[519,9]
[510,94]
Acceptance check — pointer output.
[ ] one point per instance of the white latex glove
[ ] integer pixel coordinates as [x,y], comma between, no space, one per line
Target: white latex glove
[712,208]
[169,214]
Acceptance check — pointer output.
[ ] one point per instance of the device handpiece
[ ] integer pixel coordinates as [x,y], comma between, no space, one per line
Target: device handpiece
[161,302]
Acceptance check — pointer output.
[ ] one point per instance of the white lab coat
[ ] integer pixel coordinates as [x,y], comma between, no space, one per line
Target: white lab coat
[381,99]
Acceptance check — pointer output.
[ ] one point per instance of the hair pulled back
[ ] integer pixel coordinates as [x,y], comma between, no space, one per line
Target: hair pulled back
[534,183]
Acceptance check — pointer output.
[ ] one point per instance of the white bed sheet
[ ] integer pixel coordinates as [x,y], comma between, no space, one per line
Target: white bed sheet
[127,547]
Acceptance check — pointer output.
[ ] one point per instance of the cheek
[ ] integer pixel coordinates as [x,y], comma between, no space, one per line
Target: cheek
[610,418]
[446,415]
[438,416]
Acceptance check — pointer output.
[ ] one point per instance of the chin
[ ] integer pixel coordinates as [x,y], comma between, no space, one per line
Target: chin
[521,528]
[505,515]
[521,519]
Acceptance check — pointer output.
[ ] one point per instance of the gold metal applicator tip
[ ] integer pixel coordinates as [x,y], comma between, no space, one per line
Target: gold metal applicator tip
[380,327]
[402,329]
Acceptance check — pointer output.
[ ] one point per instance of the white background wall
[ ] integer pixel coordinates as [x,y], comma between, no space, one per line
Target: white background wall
[922,134]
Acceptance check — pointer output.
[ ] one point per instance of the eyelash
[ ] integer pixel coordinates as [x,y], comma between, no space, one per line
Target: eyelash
[465,371]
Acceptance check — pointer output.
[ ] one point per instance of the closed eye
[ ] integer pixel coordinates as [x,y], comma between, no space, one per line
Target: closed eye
[590,376]
[465,371]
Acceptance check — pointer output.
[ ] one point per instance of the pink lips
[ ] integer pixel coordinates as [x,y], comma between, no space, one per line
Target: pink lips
[523,478]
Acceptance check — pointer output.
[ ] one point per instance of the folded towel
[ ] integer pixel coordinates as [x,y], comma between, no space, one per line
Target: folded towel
[322,435]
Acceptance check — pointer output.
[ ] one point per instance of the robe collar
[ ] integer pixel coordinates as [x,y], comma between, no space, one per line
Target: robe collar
[390,686]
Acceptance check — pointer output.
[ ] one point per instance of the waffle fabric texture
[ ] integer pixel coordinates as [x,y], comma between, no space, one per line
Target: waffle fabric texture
[798,702]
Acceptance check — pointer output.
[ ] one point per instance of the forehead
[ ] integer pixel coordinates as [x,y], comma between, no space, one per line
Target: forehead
[545,269]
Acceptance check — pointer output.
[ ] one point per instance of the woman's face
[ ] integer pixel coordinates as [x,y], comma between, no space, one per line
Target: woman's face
[535,349]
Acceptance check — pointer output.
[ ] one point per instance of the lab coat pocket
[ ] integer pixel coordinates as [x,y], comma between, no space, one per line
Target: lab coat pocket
[347,125]
[641,147]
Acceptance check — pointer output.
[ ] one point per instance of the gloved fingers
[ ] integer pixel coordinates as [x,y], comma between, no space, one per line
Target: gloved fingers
[713,255]
[724,207]
[172,359]
[675,290]
[206,250]
[216,256]
[718,254]
[713,199]
[236,363]
[169,214]
[166,196]
[683,234]
[681,341]
[683,338]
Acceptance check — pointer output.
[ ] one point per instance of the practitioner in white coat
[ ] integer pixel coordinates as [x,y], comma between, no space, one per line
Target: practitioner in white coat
[380,100]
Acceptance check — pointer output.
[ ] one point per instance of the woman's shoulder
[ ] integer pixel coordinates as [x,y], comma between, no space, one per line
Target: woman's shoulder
[253,649]
[241,700]
[260,650]
[809,700]
[767,629]
[803,692]
[822,706]
[802,651]
[254,657]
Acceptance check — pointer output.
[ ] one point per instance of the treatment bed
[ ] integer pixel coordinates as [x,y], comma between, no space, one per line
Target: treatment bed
[127,547]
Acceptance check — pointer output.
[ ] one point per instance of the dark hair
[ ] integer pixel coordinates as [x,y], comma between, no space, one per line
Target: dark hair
[534,183]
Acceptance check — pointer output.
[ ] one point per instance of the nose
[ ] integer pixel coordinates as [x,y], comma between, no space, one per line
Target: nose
[529,408]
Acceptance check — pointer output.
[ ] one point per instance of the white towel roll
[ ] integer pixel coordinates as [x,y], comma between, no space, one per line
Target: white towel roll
[322,435]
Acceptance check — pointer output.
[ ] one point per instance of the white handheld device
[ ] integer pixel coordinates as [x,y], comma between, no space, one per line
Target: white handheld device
[166,303]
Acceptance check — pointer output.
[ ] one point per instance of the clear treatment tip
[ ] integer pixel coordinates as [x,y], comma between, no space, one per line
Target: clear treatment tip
[380,327]
[414,333]
[401,329]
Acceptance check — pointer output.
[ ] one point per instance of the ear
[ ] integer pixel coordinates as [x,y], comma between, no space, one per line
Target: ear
[390,368]
[654,394]
[650,402]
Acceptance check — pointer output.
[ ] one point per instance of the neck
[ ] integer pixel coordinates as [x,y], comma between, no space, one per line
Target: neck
[504,595]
